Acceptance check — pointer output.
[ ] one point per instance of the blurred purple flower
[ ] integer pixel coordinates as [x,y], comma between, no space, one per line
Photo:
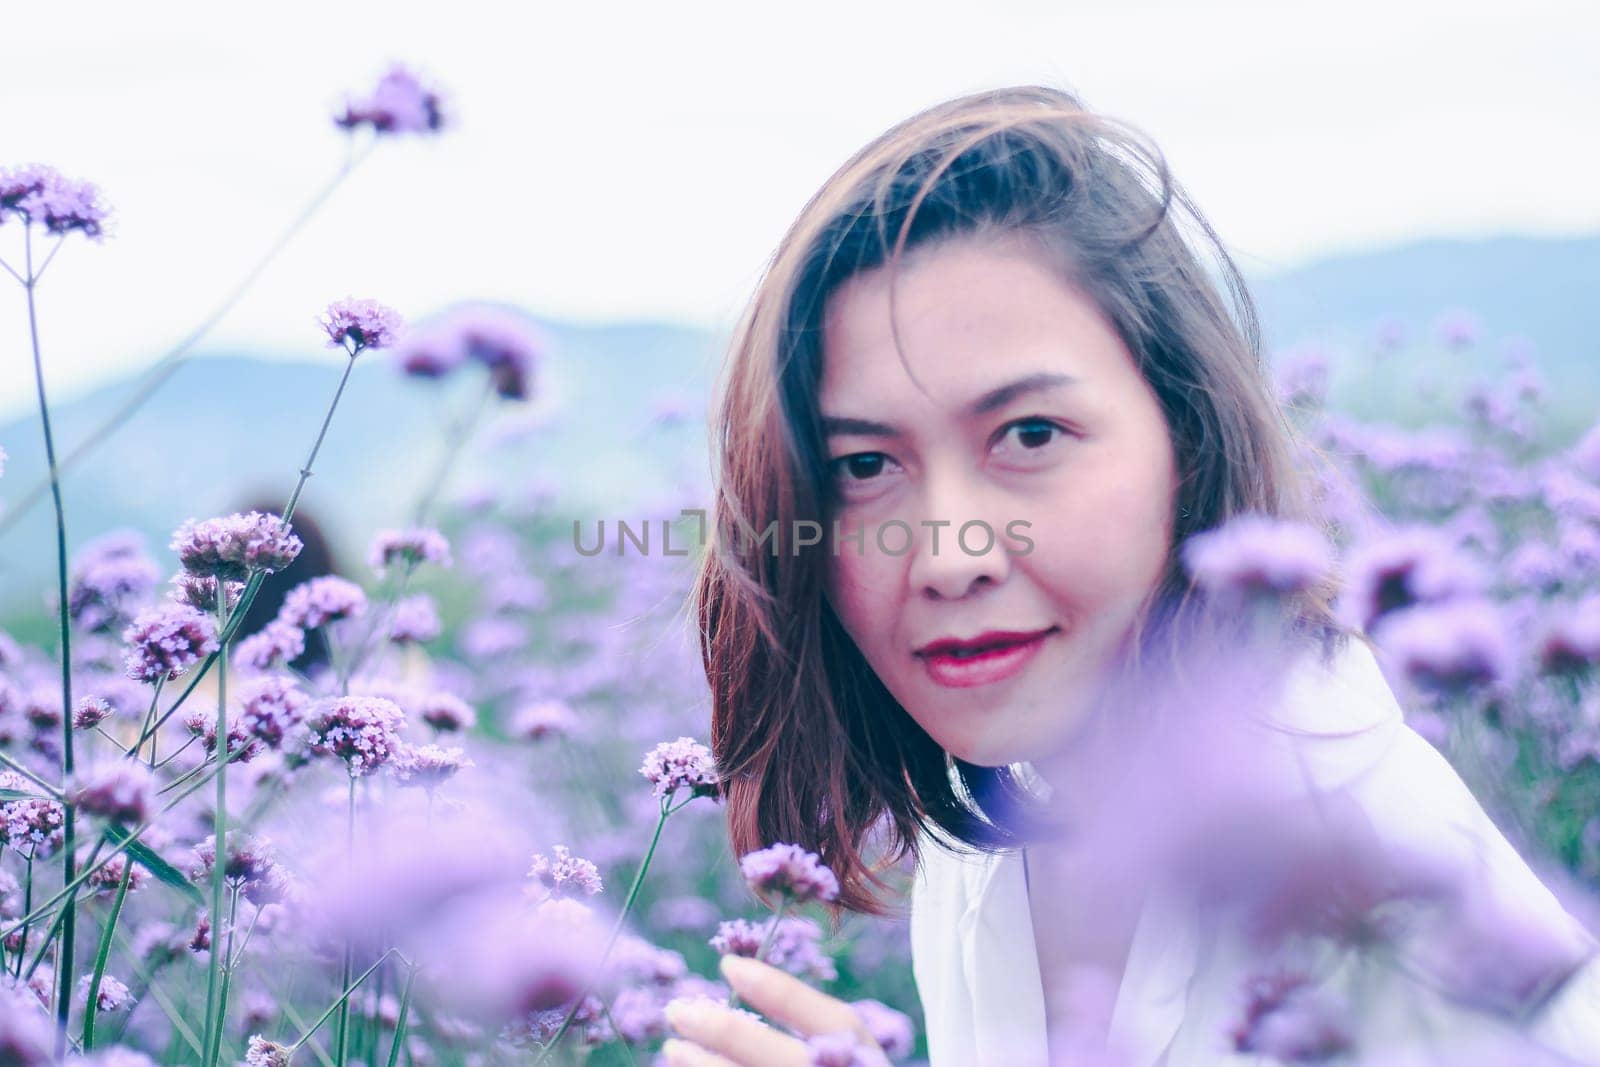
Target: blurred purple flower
[364,324]
[321,600]
[1284,1017]
[166,641]
[841,1049]
[111,576]
[789,871]
[681,764]
[504,342]
[264,1053]
[112,995]
[235,546]
[795,946]
[1571,642]
[250,868]
[891,1029]
[399,103]
[277,644]
[118,790]
[446,712]
[544,718]
[1255,555]
[271,706]
[412,547]
[1459,328]
[1399,568]
[427,767]
[415,621]
[40,194]
[200,592]
[1450,645]
[363,731]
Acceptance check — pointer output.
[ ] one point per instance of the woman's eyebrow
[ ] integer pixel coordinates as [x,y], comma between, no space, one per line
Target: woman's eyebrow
[840,425]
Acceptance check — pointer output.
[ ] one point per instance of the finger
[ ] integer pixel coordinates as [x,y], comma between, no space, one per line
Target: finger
[781,996]
[743,1039]
[681,1053]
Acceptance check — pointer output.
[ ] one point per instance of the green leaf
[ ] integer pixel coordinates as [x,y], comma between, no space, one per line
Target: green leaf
[151,861]
[22,794]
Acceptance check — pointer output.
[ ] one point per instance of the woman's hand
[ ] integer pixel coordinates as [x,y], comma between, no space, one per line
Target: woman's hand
[715,1036]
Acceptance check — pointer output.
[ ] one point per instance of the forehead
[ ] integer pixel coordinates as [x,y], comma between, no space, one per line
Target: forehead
[968,313]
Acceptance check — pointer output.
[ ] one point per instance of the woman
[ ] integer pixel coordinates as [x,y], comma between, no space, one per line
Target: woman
[981,400]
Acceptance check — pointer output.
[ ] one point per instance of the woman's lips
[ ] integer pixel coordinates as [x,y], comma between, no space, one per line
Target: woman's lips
[985,668]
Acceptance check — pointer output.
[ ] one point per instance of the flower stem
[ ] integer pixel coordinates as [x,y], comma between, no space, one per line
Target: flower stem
[343,1026]
[91,1009]
[400,1022]
[766,942]
[616,928]
[344,999]
[68,839]
[219,831]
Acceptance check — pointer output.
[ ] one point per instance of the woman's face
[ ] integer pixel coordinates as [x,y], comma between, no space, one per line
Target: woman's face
[1035,416]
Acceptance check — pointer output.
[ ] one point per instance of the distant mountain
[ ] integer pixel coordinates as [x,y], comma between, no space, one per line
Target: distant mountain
[228,424]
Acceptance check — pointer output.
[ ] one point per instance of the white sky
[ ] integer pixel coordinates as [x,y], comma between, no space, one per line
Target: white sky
[624,161]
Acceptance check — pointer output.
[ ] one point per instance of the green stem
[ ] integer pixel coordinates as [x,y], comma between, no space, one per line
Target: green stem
[616,928]
[27,906]
[766,943]
[219,831]
[344,998]
[400,1021]
[343,1028]
[69,842]
[91,1008]
[215,1050]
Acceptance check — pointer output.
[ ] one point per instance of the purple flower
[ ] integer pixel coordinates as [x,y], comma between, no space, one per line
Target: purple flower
[111,576]
[566,875]
[1450,645]
[32,826]
[446,712]
[264,1053]
[681,764]
[321,600]
[1459,328]
[1254,555]
[400,103]
[39,194]
[413,546]
[840,1049]
[119,790]
[505,343]
[111,996]
[90,712]
[891,1029]
[242,748]
[270,707]
[278,643]
[364,324]
[544,718]
[363,731]
[795,946]
[249,869]
[1399,568]
[429,766]
[1571,643]
[166,641]
[790,871]
[416,620]
[200,592]
[236,546]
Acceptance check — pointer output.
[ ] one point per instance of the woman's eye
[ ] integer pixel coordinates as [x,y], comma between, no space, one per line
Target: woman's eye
[1032,434]
[859,467]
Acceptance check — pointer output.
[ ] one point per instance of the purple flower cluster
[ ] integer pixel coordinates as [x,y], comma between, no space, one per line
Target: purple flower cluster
[264,1053]
[40,194]
[427,767]
[1396,569]
[544,718]
[200,592]
[166,641]
[412,547]
[364,731]
[235,546]
[271,707]
[415,621]
[566,875]
[1450,645]
[1254,555]
[681,764]
[111,576]
[789,871]
[446,713]
[90,712]
[321,600]
[1284,1017]
[250,868]
[278,643]
[840,1049]
[795,945]
[119,790]
[399,103]
[32,826]
[359,325]
[112,995]
[504,342]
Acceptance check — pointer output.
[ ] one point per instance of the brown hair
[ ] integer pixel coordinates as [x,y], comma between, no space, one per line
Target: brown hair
[811,746]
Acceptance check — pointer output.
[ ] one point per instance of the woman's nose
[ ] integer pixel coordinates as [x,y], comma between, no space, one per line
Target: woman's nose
[957,546]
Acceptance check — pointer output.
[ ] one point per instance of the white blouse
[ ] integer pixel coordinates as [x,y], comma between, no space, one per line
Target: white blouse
[975,960]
